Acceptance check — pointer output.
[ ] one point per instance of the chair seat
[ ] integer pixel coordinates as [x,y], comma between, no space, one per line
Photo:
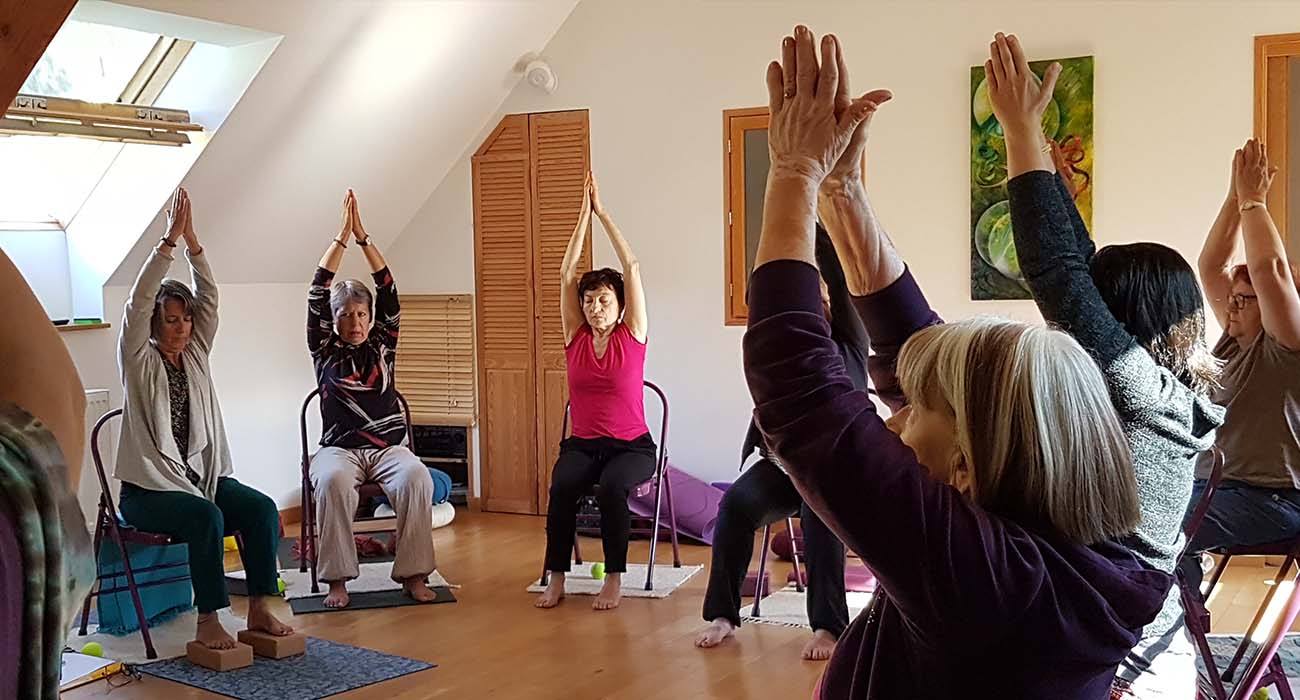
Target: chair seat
[370,489]
[641,490]
[134,536]
[1278,548]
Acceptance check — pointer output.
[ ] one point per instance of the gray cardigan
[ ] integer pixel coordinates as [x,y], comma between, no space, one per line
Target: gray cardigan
[1167,423]
[147,455]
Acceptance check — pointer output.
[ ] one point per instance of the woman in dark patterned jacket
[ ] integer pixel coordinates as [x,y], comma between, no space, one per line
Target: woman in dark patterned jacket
[352,336]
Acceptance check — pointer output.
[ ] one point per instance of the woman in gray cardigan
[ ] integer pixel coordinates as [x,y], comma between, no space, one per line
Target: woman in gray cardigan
[173,459]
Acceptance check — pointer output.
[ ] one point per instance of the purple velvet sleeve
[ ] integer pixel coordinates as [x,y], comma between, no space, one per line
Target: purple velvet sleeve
[947,564]
[891,316]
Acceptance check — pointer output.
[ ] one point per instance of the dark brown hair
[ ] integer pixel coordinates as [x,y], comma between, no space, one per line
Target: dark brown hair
[604,277]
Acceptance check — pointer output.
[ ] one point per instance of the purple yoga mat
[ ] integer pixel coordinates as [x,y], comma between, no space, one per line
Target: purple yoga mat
[695,502]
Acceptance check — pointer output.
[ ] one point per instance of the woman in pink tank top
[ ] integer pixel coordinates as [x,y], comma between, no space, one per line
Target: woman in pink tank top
[604,318]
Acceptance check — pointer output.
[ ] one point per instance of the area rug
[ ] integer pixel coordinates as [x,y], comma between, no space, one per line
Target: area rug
[374,577]
[667,579]
[789,608]
[169,638]
[326,669]
[369,601]
[1225,645]
[289,559]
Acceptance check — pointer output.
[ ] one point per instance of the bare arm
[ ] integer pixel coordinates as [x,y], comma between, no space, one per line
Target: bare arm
[1270,271]
[1215,262]
[570,307]
[870,261]
[334,253]
[634,312]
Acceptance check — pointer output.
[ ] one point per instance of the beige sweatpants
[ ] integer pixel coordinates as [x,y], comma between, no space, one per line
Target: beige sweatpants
[335,475]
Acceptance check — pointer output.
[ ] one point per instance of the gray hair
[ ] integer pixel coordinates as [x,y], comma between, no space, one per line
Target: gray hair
[174,290]
[345,291]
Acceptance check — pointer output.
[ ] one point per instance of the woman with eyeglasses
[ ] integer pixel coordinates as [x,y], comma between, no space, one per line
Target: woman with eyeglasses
[1258,305]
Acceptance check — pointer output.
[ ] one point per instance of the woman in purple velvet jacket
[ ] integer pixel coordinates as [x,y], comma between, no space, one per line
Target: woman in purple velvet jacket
[989,505]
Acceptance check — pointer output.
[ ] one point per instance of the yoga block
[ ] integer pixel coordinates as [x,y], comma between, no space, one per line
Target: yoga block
[219,659]
[273,647]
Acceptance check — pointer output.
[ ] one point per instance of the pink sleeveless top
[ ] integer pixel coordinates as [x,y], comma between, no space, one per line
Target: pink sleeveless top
[606,393]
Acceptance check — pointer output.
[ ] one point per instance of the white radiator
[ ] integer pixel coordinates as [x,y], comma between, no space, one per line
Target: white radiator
[97,404]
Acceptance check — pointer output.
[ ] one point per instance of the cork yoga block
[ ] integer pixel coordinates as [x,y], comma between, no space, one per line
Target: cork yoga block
[219,659]
[273,647]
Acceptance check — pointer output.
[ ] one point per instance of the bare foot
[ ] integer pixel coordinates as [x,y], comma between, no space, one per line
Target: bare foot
[260,618]
[715,633]
[819,648]
[554,592]
[338,595]
[610,593]
[211,634]
[416,589]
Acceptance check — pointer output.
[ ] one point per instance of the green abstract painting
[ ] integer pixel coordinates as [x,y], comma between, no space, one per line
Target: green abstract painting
[1067,123]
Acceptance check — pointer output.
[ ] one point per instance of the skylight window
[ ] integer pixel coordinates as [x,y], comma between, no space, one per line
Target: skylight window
[90,62]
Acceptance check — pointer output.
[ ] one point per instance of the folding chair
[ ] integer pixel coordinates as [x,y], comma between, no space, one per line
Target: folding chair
[659,483]
[762,563]
[120,533]
[367,490]
[1264,668]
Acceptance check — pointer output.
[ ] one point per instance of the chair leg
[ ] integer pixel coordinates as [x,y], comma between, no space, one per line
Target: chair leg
[149,651]
[1259,615]
[1279,679]
[654,530]
[794,554]
[672,521]
[99,535]
[1195,628]
[760,582]
[577,551]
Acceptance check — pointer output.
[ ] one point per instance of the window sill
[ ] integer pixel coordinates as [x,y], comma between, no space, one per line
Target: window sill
[69,327]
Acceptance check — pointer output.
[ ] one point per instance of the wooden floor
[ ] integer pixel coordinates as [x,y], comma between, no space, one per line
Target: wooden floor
[493,643]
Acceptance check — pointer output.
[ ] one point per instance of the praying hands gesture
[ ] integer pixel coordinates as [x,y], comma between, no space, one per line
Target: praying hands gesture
[1018,100]
[180,222]
[350,225]
[814,121]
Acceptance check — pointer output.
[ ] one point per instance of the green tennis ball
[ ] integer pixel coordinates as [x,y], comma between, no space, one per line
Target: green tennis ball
[598,570]
[279,585]
[93,649]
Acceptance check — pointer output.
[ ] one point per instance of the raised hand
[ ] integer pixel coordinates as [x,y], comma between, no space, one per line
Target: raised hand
[1017,97]
[358,231]
[848,169]
[345,224]
[1252,175]
[593,195]
[807,134]
[177,215]
[191,238]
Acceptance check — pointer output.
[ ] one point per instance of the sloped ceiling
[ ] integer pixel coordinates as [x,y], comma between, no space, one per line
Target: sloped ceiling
[382,96]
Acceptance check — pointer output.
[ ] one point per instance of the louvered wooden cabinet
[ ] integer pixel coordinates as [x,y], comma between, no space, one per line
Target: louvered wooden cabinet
[528,179]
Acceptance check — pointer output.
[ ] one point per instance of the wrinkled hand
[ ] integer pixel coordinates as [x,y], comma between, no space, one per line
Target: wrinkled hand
[810,128]
[848,168]
[1017,97]
[345,224]
[1252,175]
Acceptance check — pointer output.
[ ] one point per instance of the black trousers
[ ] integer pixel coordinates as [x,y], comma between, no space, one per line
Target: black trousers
[616,466]
[762,495]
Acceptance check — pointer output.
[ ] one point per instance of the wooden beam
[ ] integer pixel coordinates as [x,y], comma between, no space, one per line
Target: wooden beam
[26,28]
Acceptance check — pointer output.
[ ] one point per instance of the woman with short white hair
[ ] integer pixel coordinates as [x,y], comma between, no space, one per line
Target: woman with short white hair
[352,336]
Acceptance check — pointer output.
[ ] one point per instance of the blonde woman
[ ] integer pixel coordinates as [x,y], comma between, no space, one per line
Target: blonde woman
[988,505]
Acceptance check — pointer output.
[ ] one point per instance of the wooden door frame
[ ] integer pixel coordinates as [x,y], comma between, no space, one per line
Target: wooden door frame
[735,312]
[1272,121]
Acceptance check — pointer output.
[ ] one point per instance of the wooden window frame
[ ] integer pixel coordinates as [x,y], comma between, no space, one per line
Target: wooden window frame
[1272,75]
[735,312]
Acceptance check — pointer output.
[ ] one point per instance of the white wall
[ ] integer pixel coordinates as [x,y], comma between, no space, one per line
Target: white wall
[42,257]
[656,77]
